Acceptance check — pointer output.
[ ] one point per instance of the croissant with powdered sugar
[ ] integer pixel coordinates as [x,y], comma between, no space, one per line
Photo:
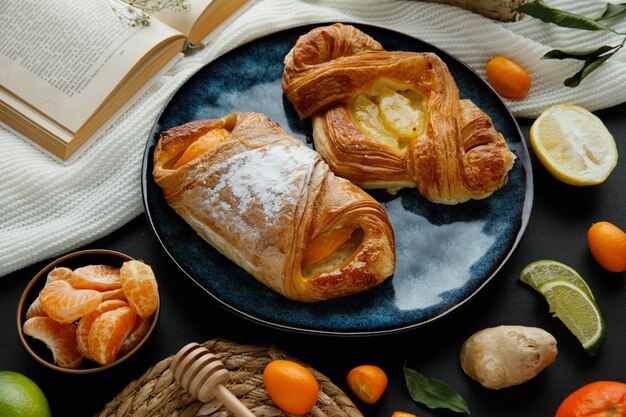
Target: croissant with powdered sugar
[272,205]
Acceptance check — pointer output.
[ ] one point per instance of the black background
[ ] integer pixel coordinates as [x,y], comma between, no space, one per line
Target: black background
[557,229]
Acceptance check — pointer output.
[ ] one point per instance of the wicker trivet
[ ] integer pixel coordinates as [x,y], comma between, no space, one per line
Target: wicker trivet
[156,393]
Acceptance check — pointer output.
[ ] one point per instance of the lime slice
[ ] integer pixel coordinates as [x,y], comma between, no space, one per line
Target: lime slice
[539,272]
[577,311]
[573,145]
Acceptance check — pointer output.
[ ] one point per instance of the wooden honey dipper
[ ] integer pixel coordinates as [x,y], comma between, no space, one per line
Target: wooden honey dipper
[202,374]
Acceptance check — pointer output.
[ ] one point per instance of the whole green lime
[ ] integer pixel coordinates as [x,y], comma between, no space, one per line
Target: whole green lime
[21,397]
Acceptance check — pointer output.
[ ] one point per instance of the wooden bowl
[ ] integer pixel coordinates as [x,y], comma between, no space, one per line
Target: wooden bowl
[36,348]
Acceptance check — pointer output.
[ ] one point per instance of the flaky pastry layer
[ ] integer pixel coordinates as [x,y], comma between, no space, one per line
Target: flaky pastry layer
[261,196]
[457,155]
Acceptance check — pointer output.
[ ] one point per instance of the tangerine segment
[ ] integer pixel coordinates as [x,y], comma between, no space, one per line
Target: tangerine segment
[108,332]
[61,272]
[85,323]
[117,294]
[135,336]
[140,287]
[97,277]
[35,309]
[60,339]
[65,304]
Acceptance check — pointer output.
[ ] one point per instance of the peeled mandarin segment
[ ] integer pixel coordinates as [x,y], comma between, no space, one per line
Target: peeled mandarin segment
[108,332]
[35,309]
[325,244]
[97,277]
[85,323]
[401,113]
[62,272]
[60,339]
[117,294]
[140,287]
[66,304]
[201,145]
[135,336]
[367,116]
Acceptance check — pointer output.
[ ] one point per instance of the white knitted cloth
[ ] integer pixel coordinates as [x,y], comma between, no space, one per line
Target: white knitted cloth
[47,208]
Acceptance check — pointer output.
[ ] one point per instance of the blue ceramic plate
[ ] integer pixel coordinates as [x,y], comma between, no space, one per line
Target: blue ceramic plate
[445,254]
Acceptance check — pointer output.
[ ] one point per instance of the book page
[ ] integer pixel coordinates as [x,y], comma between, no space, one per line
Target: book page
[184,20]
[203,17]
[63,58]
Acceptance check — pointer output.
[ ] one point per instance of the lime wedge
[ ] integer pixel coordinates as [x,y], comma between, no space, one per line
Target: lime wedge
[573,145]
[577,311]
[539,272]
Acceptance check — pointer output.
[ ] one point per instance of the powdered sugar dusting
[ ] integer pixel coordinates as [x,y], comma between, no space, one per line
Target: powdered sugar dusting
[266,176]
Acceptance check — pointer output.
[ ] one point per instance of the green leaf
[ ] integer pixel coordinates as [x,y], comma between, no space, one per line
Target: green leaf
[589,66]
[433,393]
[548,14]
[612,10]
[581,54]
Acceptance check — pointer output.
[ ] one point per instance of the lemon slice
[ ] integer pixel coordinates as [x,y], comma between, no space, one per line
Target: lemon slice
[577,311]
[539,272]
[573,145]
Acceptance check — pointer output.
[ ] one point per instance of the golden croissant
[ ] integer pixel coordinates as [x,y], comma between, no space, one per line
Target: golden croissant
[272,205]
[393,119]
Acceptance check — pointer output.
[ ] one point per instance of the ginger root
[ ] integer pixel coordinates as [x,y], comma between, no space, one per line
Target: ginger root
[504,356]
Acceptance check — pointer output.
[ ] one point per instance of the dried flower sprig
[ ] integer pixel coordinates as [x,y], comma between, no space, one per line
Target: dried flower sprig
[136,12]
[593,57]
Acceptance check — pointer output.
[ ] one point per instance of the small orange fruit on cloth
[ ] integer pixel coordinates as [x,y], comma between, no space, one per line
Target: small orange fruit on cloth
[97,277]
[291,386]
[140,287]
[60,339]
[367,382]
[402,414]
[66,304]
[507,77]
[108,332]
[85,323]
[597,399]
[607,244]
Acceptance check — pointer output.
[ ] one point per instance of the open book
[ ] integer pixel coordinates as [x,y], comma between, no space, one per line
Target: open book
[68,67]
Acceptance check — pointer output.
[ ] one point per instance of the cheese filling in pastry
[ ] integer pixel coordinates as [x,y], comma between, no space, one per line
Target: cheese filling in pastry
[391,119]
[272,205]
